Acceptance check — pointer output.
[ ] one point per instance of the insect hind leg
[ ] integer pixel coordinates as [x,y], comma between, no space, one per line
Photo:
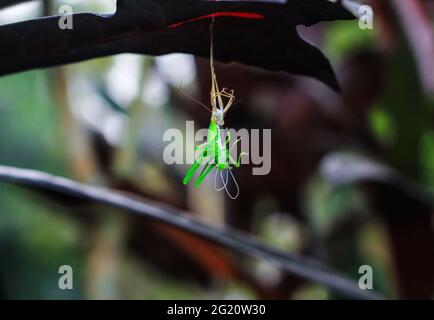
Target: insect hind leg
[205,171]
[237,163]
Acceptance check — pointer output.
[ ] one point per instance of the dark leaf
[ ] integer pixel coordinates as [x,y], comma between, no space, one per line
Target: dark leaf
[261,34]
[303,267]
[345,169]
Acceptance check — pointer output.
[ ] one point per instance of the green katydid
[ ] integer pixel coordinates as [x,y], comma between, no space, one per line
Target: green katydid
[215,153]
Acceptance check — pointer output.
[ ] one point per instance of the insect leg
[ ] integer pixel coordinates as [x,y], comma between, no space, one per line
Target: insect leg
[237,163]
[233,197]
[205,171]
[232,160]
[224,180]
[201,146]
[230,96]
[197,163]
[228,136]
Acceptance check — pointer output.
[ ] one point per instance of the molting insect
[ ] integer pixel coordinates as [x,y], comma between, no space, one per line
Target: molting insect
[215,153]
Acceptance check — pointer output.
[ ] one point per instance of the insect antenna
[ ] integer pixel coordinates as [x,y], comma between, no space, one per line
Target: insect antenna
[225,181]
[193,99]
[236,186]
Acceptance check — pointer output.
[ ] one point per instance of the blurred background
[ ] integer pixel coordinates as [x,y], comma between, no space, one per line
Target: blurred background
[351,180]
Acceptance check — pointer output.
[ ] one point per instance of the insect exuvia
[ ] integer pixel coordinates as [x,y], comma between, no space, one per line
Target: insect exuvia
[216,153]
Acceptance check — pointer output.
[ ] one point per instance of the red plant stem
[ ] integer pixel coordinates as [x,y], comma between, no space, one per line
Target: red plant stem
[241,15]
